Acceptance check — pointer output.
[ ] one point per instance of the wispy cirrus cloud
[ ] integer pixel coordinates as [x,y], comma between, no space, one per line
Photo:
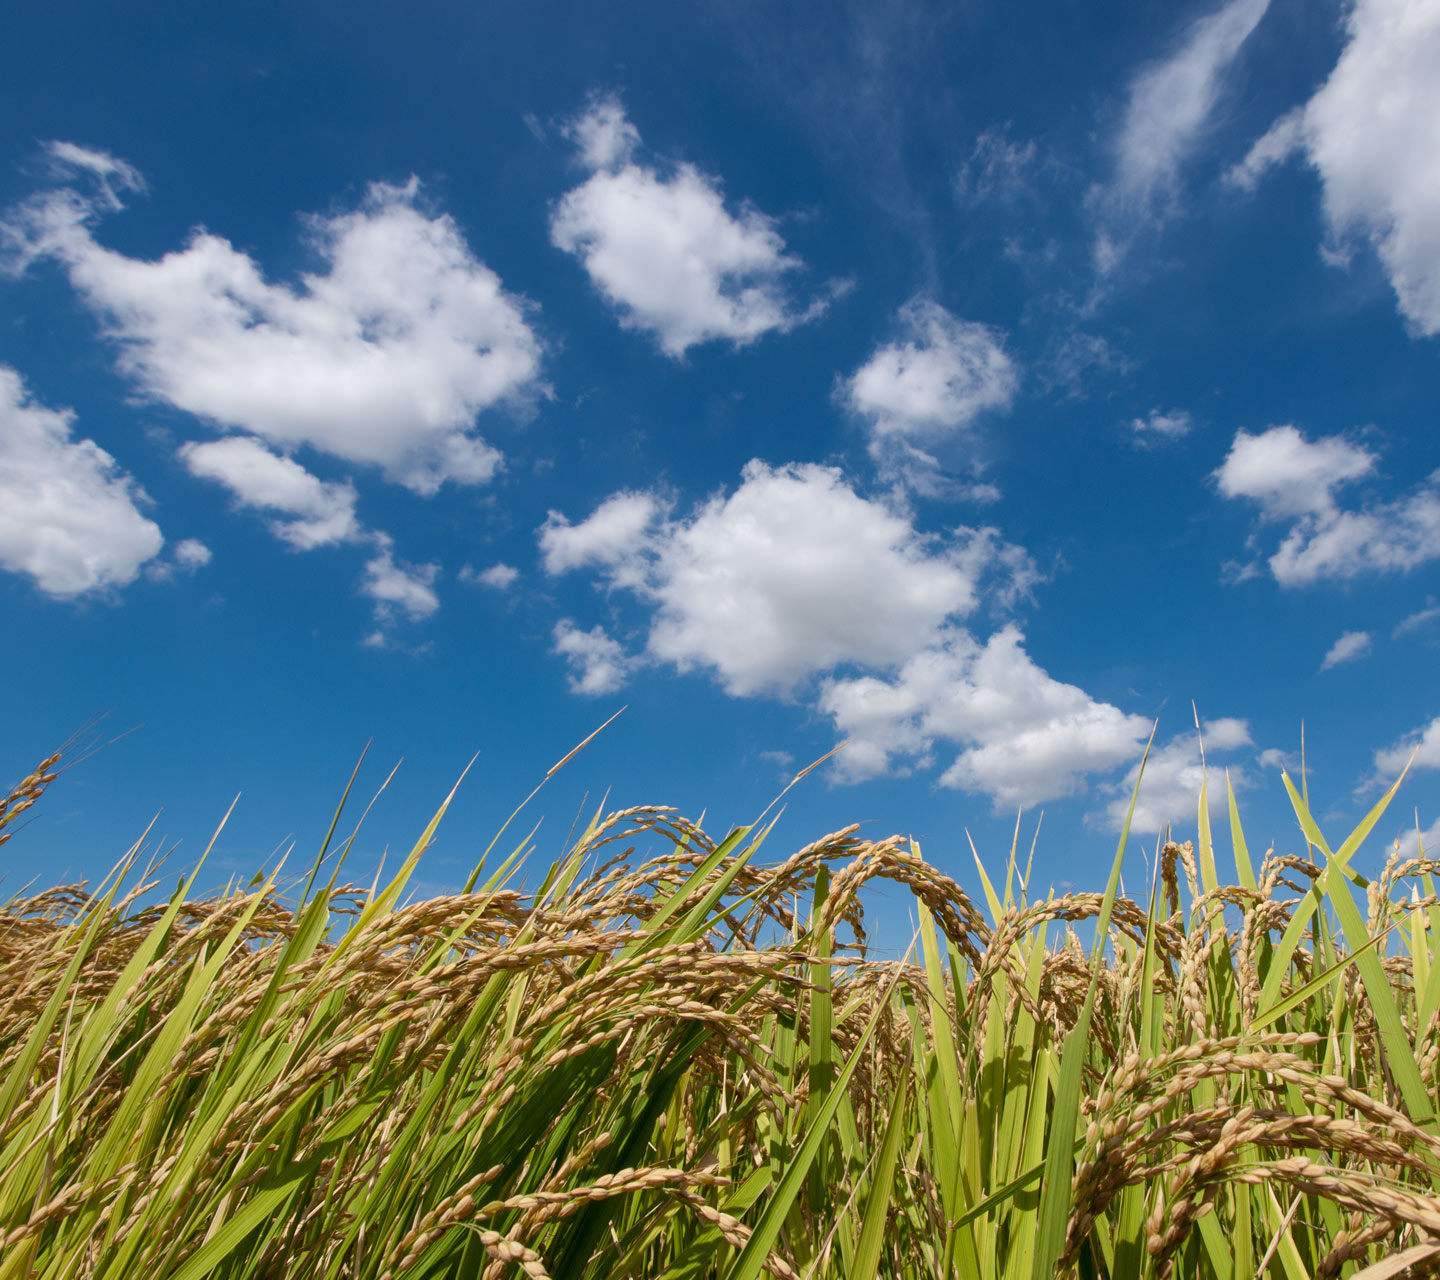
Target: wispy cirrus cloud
[1171,101]
[1418,621]
[1350,647]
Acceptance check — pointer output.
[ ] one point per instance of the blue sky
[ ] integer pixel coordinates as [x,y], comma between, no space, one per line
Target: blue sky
[977,384]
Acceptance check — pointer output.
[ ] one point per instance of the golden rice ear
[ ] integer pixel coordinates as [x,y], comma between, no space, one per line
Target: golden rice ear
[28,790]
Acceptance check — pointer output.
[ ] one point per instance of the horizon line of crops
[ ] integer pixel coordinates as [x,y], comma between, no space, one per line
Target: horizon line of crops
[683,1064]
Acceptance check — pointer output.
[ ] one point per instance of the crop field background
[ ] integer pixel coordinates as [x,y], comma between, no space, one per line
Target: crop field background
[674,1058]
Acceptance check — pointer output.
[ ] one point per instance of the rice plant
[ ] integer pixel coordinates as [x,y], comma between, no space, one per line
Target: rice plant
[671,1060]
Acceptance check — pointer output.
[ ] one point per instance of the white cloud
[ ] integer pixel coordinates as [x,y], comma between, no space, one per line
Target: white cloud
[936,380]
[614,535]
[109,174]
[604,134]
[666,251]
[187,556]
[1373,133]
[192,553]
[597,661]
[1293,478]
[316,513]
[1424,742]
[1170,102]
[384,359]
[393,585]
[998,169]
[1287,474]
[69,516]
[1413,842]
[1278,143]
[1226,733]
[1161,426]
[796,575]
[320,512]
[792,574]
[1025,737]
[1388,537]
[1084,360]
[1416,621]
[499,576]
[1350,647]
[981,494]
[1170,788]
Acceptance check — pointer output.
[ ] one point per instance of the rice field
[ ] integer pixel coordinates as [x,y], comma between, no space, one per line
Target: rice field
[675,1057]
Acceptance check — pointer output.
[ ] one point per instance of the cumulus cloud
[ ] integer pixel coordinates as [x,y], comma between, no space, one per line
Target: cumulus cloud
[598,662]
[1226,733]
[1387,537]
[499,576]
[192,553]
[311,513]
[1289,475]
[674,261]
[792,574]
[1170,788]
[795,576]
[796,573]
[318,512]
[1424,742]
[604,134]
[1025,737]
[1350,647]
[935,380]
[1293,478]
[1158,426]
[385,358]
[1372,132]
[393,585]
[187,556]
[614,535]
[70,518]
[1169,104]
